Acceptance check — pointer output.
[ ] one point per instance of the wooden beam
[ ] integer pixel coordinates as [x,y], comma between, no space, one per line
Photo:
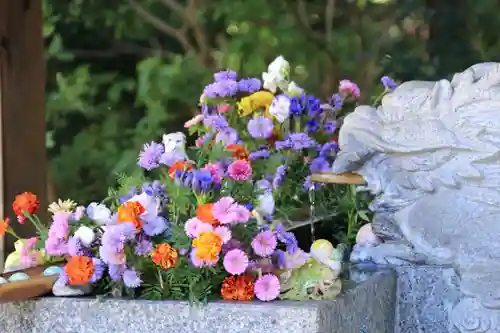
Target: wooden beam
[22,120]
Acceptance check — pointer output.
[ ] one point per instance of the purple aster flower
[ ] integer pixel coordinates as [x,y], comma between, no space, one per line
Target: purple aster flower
[319,164]
[264,185]
[249,85]
[296,108]
[287,238]
[280,259]
[150,155]
[301,141]
[98,270]
[328,149]
[168,158]
[155,226]
[330,126]
[115,236]
[76,248]
[225,75]
[131,278]
[227,137]
[312,126]
[279,176]
[336,101]
[260,127]
[116,272]
[143,247]
[223,88]
[56,246]
[218,122]
[389,84]
[262,153]
[154,189]
[283,144]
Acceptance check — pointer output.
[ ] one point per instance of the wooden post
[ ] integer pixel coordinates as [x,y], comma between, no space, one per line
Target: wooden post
[22,120]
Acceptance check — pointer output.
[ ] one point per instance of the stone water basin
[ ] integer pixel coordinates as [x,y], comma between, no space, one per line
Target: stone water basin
[365,306]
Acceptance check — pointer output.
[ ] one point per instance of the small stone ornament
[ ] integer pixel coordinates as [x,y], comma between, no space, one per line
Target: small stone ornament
[52,270]
[317,278]
[20,276]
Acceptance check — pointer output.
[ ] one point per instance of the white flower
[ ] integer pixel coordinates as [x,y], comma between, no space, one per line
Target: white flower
[293,89]
[273,80]
[279,65]
[86,235]
[99,213]
[174,141]
[280,108]
[265,206]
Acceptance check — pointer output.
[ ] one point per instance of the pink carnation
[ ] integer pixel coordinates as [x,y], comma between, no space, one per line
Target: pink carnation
[224,233]
[240,170]
[267,287]
[241,213]
[349,88]
[194,227]
[215,172]
[235,262]
[264,243]
[222,210]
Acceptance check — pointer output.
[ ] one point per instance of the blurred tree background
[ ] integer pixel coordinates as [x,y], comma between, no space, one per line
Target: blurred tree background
[123,72]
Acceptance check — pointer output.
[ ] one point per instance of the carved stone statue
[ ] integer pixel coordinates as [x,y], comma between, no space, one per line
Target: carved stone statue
[431,156]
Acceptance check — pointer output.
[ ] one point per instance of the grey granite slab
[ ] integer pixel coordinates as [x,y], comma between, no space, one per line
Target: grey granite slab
[367,307]
[426,295]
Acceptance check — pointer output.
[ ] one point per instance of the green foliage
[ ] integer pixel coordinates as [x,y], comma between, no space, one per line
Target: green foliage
[121,73]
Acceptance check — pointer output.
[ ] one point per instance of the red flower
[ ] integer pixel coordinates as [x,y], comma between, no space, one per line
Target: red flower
[25,202]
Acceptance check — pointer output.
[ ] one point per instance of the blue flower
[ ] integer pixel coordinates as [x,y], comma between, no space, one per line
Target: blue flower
[202,180]
[296,108]
[313,106]
[330,126]
[312,126]
[389,84]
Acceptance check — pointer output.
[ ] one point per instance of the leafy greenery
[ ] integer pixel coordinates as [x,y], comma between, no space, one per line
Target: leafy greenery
[121,73]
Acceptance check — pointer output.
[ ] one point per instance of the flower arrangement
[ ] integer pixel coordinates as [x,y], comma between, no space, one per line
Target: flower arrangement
[204,222]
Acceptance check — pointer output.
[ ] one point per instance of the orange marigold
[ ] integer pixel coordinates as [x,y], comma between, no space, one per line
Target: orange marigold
[4,226]
[237,288]
[208,246]
[26,201]
[204,213]
[79,270]
[179,166]
[238,151]
[130,212]
[164,255]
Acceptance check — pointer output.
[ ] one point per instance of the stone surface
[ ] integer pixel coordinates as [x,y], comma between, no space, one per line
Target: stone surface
[425,298]
[368,306]
[430,153]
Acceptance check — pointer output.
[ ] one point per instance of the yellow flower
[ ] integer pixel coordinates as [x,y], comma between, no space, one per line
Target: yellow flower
[208,246]
[60,205]
[249,104]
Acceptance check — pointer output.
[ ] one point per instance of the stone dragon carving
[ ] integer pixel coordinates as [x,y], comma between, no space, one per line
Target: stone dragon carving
[430,153]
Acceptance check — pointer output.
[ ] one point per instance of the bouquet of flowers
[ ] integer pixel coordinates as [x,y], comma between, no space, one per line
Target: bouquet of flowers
[204,222]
